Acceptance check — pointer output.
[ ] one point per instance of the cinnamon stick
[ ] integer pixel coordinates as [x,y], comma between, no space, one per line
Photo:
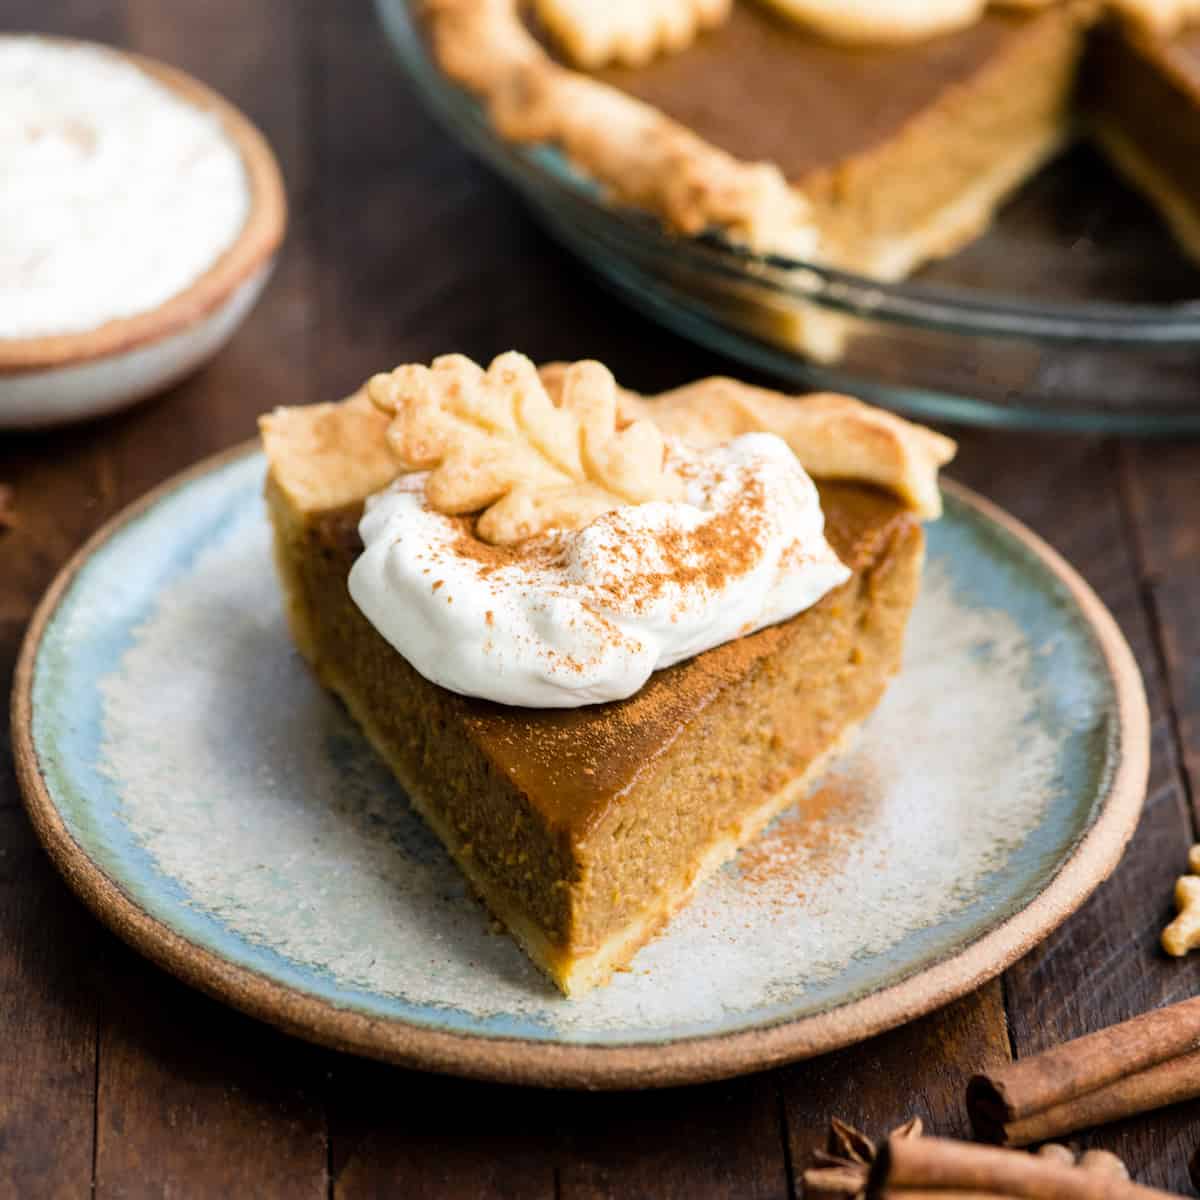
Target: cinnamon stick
[907,1165]
[1168,1083]
[1146,1063]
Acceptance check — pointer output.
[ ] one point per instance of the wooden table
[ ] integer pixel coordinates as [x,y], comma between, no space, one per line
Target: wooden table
[114,1077]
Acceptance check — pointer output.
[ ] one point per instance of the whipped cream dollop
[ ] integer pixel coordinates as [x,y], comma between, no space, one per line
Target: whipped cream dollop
[585,616]
[115,193]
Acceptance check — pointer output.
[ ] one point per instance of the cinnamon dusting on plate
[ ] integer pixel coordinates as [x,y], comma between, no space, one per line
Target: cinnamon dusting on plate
[810,841]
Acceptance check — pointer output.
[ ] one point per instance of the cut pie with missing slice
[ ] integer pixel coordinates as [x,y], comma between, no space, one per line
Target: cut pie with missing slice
[584,829]
[873,154]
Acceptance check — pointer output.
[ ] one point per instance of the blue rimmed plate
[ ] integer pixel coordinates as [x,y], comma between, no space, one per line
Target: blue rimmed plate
[211,803]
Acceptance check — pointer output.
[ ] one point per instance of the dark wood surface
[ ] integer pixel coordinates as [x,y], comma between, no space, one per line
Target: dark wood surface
[117,1081]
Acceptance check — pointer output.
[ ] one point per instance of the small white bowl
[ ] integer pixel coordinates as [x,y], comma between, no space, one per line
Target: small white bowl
[67,377]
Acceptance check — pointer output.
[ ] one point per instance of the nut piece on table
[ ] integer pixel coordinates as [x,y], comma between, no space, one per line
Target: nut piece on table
[495,443]
[1100,1162]
[631,32]
[1183,933]
[1103,1162]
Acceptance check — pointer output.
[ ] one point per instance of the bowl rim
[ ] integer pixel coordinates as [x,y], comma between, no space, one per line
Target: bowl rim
[253,247]
[970,312]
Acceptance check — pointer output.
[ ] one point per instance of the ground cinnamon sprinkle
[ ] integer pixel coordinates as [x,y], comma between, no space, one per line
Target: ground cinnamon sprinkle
[716,551]
[541,551]
[809,840]
[626,567]
[727,545]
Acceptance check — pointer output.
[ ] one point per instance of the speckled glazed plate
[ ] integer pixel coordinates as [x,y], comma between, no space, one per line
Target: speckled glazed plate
[222,813]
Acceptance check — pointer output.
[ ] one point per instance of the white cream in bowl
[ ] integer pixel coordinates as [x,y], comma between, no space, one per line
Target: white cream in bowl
[132,232]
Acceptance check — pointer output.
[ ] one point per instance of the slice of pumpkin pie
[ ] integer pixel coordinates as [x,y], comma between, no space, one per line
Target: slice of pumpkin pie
[602,640]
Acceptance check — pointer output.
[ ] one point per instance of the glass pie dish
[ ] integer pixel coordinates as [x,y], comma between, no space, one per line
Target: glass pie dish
[1076,311]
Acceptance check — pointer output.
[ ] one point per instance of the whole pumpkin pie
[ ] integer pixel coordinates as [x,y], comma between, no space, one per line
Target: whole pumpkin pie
[474,604]
[831,130]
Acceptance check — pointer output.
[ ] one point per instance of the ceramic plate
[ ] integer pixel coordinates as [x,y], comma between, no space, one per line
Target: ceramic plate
[222,813]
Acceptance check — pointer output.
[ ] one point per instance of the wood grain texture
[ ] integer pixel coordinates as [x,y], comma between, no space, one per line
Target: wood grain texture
[442,1137]
[720,1140]
[401,1133]
[195,1100]
[920,1070]
[47,1021]
[1162,490]
[1104,965]
[48,1011]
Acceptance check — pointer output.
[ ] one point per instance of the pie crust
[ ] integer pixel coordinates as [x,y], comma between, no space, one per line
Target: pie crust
[641,155]
[584,830]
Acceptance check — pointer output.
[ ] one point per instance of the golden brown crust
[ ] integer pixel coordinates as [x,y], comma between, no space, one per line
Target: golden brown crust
[496,443]
[325,460]
[833,436]
[640,155]
[253,248]
[328,456]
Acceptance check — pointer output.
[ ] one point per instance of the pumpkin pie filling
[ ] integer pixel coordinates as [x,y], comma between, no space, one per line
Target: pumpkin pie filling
[903,152]
[583,829]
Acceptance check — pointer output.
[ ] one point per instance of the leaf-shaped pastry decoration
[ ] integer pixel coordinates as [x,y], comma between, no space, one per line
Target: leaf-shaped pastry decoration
[631,32]
[497,444]
[834,437]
